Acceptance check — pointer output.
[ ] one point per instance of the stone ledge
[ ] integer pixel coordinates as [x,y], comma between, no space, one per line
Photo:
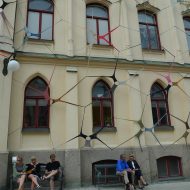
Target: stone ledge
[105,129]
[35,130]
[164,128]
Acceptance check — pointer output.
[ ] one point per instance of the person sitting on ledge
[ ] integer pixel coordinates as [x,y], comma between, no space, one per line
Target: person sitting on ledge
[133,164]
[122,168]
[33,171]
[52,171]
[19,174]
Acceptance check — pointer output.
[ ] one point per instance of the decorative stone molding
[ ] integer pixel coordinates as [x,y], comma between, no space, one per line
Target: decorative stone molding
[147,6]
[186,12]
[185,3]
[103,2]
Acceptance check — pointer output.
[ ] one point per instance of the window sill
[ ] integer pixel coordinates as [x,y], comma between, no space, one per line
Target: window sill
[164,128]
[104,47]
[153,51]
[40,41]
[35,130]
[105,129]
[171,178]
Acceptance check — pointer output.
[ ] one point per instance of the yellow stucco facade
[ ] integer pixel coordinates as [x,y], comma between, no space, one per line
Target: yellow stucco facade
[67,59]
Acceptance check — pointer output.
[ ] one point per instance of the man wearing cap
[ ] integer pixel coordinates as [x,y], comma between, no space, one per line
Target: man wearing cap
[133,164]
[122,168]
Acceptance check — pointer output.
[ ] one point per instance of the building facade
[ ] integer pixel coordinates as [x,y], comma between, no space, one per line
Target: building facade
[119,68]
[7,20]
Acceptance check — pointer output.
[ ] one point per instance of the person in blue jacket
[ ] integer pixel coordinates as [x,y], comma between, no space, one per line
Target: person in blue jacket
[122,168]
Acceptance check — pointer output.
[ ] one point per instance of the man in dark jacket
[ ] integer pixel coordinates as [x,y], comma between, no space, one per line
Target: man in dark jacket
[133,165]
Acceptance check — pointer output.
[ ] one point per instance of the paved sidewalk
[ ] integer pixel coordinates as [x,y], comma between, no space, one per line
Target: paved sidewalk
[158,186]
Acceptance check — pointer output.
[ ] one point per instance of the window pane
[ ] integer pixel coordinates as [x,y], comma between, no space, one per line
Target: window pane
[45,5]
[29,117]
[100,175]
[36,87]
[96,11]
[153,37]
[157,92]
[43,113]
[154,113]
[103,29]
[187,23]
[146,17]
[96,113]
[101,90]
[162,171]
[46,26]
[188,38]
[30,102]
[91,31]
[163,111]
[144,36]
[33,24]
[174,171]
[107,113]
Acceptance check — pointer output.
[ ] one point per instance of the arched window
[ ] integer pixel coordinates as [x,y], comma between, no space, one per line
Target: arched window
[36,105]
[97,23]
[102,105]
[160,111]
[186,21]
[169,166]
[149,30]
[40,19]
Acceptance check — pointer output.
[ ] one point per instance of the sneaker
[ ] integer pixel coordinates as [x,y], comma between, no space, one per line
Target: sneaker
[38,186]
[146,184]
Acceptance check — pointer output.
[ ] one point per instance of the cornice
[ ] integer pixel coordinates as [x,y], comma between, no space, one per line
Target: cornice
[147,6]
[186,12]
[100,62]
[103,2]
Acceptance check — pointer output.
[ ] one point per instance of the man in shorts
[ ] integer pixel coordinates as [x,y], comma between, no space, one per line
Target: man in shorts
[52,171]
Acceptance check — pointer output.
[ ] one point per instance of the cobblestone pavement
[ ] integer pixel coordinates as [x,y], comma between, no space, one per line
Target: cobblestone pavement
[158,186]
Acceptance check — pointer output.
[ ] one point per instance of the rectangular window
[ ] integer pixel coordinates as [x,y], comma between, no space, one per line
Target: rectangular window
[91,31]
[103,29]
[46,31]
[96,114]
[174,170]
[162,110]
[107,113]
[106,174]
[162,168]
[29,118]
[169,166]
[33,24]
[154,113]
[40,25]
[153,37]
[144,37]
[43,113]
[188,38]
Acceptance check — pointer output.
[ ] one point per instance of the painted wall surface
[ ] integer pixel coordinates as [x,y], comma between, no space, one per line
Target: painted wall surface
[68,58]
[65,120]
[7,18]
[70,39]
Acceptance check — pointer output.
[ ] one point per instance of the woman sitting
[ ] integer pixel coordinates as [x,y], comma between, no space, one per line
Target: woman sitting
[33,171]
[19,172]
